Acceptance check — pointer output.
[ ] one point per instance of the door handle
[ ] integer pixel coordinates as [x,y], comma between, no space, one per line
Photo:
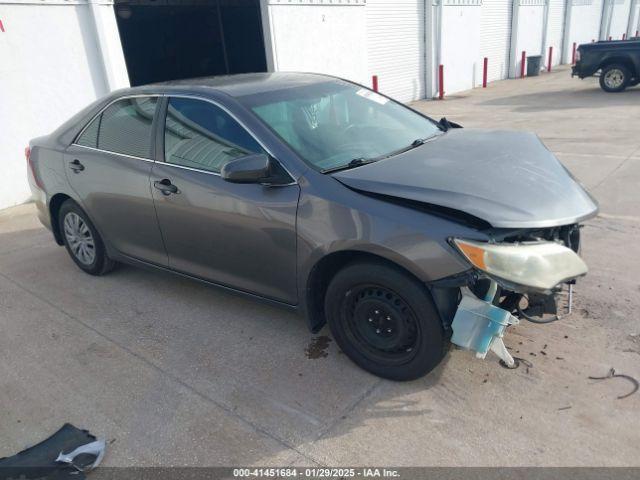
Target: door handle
[165,186]
[76,166]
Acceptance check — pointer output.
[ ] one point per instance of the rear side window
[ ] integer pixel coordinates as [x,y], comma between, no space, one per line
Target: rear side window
[89,137]
[201,135]
[123,127]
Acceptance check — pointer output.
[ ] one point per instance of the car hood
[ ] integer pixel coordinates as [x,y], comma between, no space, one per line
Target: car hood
[509,179]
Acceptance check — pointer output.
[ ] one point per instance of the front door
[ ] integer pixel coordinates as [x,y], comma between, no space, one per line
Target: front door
[109,167]
[238,235]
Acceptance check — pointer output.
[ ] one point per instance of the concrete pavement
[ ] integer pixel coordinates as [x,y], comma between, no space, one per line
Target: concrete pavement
[172,372]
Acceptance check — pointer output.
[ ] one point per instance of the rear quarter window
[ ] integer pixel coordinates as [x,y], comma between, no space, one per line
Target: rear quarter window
[124,127]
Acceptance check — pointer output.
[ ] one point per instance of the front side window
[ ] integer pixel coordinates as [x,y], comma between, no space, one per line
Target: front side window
[331,123]
[123,127]
[201,135]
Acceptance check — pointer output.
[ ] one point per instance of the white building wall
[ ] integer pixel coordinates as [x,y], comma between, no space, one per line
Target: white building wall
[51,67]
[460,47]
[634,23]
[586,16]
[396,47]
[530,31]
[321,36]
[555,30]
[621,9]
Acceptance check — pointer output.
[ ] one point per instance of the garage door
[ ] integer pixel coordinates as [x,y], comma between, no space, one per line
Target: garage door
[395,47]
[619,19]
[555,29]
[635,21]
[495,36]
[585,22]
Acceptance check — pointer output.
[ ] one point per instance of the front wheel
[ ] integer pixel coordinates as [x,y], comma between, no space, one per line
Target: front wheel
[614,78]
[385,321]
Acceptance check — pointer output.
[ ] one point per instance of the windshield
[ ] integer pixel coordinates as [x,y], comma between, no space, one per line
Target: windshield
[333,123]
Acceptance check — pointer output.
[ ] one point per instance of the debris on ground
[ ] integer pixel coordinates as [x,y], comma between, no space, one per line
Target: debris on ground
[67,454]
[565,408]
[612,374]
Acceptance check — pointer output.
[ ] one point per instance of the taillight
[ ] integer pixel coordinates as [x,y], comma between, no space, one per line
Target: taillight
[27,155]
[578,55]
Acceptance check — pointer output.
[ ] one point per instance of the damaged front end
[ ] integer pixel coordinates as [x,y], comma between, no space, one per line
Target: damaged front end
[517,275]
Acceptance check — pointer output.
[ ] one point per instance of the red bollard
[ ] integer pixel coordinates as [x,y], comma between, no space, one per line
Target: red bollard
[609,37]
[441,82]
[374,82]
[523,63]
[550,58]
[637,33]
[484,72]
[573,55]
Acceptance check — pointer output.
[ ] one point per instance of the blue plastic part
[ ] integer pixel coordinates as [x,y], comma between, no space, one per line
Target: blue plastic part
[477,323]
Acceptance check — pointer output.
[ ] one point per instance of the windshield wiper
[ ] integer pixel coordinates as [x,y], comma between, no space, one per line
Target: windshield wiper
[356,162]
[416,143]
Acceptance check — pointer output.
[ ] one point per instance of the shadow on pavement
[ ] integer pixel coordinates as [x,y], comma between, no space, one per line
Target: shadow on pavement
[565,99]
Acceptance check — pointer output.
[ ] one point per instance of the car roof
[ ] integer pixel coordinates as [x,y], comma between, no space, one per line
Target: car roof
[240,84]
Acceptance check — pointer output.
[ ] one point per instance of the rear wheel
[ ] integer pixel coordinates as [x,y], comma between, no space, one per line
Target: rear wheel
[82,240]
[385,321]
[615,78]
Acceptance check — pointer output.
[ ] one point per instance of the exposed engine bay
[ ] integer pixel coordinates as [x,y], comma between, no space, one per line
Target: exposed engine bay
[486,304]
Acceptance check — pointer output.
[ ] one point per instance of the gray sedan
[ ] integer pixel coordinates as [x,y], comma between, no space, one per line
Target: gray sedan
[401,232]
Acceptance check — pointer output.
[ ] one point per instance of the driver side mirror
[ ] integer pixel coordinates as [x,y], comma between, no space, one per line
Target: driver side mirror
[254,168]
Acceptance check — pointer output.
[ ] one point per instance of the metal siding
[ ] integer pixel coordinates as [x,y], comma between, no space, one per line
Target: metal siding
[396,48]
[555,29]
[585,22]
[620,19]
[495,36]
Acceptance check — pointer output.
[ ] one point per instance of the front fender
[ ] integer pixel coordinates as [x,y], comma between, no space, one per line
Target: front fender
[346,224]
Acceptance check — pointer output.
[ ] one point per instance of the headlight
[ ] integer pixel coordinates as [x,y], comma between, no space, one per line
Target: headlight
[538,265]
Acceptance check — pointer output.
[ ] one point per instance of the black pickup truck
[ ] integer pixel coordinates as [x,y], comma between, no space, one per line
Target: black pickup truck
[616,62]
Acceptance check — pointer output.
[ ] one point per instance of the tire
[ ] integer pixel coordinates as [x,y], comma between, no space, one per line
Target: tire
[82,240]
[385,321]
[614,78]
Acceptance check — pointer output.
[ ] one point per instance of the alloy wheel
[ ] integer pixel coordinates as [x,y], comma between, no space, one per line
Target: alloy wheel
[614,78]
[79,238]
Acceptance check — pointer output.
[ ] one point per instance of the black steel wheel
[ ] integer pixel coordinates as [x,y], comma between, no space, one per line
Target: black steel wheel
[385,320]
[381,323]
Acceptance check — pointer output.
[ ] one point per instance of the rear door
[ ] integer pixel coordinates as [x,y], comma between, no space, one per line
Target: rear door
[238,235]
[108,166]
